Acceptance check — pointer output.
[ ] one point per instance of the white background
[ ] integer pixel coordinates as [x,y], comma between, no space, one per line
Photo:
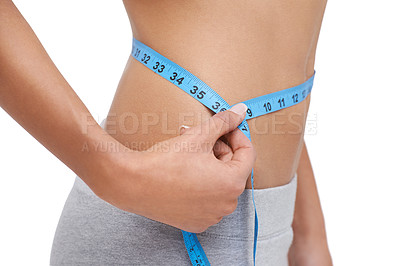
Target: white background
[354,150]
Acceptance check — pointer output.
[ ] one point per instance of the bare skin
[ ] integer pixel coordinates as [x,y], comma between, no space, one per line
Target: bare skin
[37,96]
[310,246]
[240,49]
[47,107]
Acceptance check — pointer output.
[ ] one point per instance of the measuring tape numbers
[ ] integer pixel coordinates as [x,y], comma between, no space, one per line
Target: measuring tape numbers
[200,91]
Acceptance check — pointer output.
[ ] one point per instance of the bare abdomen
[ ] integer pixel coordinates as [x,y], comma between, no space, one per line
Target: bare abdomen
[241,52]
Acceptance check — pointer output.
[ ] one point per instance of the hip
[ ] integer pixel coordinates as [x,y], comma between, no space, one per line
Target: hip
[92,231]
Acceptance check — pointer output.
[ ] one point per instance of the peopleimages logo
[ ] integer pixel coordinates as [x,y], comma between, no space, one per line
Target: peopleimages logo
[136,126]
[148,123]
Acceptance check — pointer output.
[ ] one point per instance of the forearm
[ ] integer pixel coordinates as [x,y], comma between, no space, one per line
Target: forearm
[37,96]
[308,217]
[309,242]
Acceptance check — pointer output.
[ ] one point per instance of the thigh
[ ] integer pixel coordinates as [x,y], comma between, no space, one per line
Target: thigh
[93,232]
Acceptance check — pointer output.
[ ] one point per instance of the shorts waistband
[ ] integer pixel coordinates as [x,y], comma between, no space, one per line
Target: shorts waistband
[275,210]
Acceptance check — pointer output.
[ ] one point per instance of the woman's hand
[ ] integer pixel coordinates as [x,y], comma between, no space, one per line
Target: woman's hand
[180,181]
[185,186]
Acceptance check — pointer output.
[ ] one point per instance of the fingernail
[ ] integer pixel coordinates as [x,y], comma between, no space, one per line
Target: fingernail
[239,108]
[183,126]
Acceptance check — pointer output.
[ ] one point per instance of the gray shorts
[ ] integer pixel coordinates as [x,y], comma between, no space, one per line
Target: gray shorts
[94,232]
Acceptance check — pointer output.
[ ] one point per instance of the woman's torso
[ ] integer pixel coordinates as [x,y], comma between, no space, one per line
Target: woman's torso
[241,49]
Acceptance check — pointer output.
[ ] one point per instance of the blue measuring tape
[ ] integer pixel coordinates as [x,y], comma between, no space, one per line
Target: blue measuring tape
[203,93]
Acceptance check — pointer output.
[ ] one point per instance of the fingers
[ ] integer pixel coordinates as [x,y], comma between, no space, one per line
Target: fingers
[244,154]
[221,150]
[219,124]
[239,154]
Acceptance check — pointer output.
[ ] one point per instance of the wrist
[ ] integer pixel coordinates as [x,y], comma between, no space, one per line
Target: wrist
[113,170]
[310,240]
[309,251]
[99,155]
[309,228]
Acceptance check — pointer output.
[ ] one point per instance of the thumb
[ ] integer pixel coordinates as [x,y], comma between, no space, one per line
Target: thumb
[244,154]
[219,124]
